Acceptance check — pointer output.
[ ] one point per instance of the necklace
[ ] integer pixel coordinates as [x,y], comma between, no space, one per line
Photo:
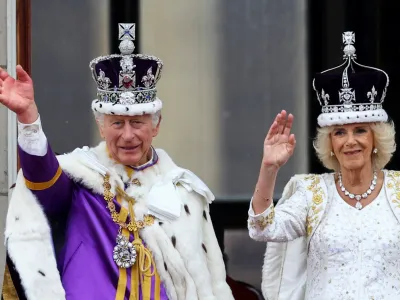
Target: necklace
[125,252]
[358,197]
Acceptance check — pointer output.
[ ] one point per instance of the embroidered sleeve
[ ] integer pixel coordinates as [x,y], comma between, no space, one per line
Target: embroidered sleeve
[282,223]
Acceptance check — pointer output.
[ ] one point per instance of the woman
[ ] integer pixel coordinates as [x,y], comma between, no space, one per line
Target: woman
[138,225]
[335,235]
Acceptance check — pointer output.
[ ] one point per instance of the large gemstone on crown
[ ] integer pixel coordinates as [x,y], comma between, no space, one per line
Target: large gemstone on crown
[348,107]
[127,81]
[127,98]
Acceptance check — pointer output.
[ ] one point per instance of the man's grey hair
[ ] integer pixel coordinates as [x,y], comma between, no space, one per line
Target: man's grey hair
[155,118]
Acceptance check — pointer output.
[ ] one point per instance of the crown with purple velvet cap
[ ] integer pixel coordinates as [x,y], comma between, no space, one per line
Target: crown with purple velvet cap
[126,82]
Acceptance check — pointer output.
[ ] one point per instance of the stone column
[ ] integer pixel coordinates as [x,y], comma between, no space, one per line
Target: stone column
[3,140]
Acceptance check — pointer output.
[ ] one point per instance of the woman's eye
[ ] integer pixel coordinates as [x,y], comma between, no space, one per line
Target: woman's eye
[361,130]
[339,132]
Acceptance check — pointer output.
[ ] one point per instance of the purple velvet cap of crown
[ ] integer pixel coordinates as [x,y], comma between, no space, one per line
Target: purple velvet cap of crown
[142,64]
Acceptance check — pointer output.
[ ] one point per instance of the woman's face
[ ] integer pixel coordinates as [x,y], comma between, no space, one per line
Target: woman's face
[353,145]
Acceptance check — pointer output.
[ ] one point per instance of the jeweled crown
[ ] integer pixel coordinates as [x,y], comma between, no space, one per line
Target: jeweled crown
[351,92]
[126,82]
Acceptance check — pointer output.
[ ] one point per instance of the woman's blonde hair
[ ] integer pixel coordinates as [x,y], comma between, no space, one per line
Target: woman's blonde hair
[384,142]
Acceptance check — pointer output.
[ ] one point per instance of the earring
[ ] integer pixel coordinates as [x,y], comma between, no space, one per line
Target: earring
[332,154]
[375,150]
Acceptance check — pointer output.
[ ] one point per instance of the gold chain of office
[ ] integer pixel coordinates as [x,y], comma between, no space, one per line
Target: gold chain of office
[133,225]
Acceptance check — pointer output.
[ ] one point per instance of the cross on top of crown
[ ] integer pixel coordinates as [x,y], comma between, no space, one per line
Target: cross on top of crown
[348,37]
[126,34]
[126,31]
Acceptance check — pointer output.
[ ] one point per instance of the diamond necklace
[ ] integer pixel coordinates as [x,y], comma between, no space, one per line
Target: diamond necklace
[359,196]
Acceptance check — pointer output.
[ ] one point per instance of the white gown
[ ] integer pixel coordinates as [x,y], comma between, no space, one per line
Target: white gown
[353,254]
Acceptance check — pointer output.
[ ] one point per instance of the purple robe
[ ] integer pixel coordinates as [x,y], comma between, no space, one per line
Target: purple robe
[86,263]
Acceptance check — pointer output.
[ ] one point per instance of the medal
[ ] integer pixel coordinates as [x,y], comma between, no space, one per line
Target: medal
[124,253]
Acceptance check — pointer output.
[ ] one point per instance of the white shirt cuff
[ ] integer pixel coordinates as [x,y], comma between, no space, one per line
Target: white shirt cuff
[31,138]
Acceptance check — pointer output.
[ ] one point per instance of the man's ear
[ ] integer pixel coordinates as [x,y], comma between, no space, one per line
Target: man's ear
[101,129]
[157,128]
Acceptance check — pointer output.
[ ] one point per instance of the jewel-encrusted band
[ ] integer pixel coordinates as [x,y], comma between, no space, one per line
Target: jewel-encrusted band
[349,108]
[127,98]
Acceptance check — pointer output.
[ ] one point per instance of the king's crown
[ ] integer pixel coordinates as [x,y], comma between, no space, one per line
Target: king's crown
[126,78]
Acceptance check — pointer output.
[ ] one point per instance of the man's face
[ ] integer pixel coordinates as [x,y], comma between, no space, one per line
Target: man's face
[129,138]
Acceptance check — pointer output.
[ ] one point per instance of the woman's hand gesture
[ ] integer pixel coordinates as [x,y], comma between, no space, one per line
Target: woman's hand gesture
[279,143]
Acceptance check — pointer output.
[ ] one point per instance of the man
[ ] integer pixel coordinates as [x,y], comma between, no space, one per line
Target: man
[138,226]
